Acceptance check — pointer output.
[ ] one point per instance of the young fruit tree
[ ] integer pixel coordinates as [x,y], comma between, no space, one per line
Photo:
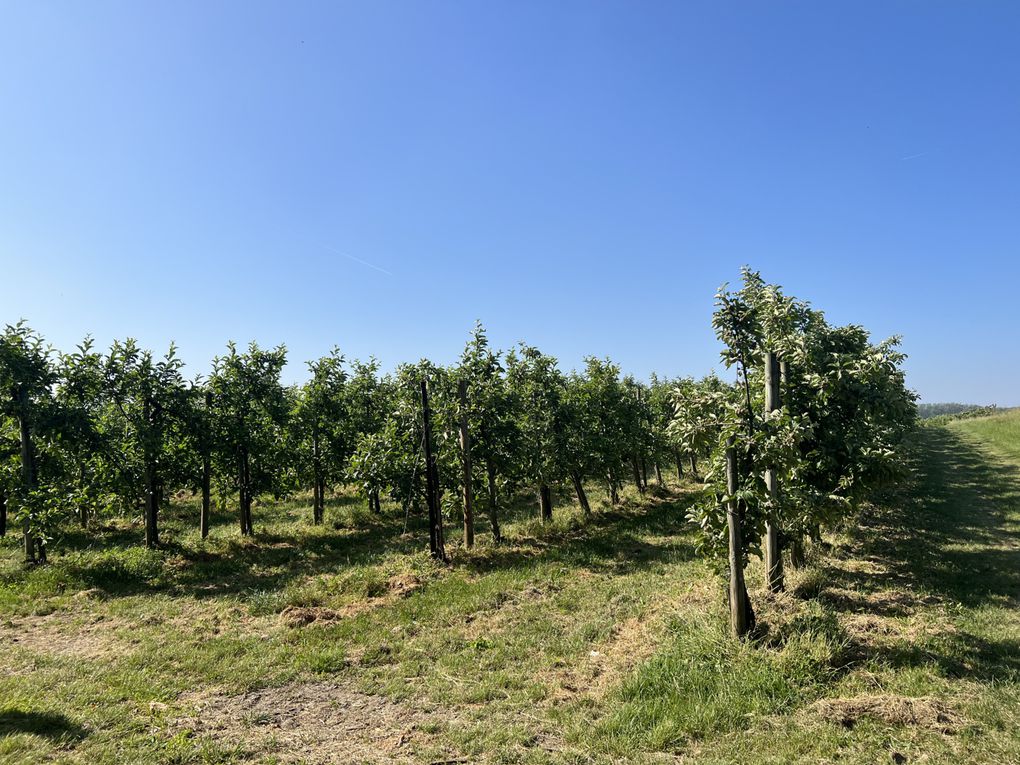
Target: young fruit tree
[808,455]
[538,388]
[249,413]
[151,398]
[26,405]
[320,428]
[491,421]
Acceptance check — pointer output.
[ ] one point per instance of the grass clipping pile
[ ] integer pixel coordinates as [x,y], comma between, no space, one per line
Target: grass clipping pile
[923,712]
[314,723]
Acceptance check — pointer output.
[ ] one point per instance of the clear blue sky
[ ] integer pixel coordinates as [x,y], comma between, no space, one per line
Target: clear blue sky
[580,175]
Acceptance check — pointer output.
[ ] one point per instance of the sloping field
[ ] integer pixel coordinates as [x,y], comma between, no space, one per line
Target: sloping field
[582,641]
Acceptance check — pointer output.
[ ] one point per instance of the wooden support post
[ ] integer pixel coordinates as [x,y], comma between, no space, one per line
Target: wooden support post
[582,496]
[436,544]
[27,470]
[152,493]
[739,605]
[545,502]
[206,444]
[316,478]
[465,457]
[773,552]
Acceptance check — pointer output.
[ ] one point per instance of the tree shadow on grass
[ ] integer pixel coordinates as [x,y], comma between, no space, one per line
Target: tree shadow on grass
[951,531]
[55,727]
[620,541]
[948,536]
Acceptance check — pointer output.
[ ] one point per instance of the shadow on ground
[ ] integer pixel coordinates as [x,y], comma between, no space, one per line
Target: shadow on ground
[630,538]
[947,538]
[55,727]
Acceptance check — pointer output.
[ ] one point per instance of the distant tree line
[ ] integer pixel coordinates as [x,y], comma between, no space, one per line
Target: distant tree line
[925,411]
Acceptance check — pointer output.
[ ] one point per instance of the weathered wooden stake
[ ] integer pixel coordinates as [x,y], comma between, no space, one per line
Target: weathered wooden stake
[205,443]
[465,456]
[152,493]
[545,502]
[773,552]
[317,482]
[436,544]
[739,606]
[582,496]
[796,538]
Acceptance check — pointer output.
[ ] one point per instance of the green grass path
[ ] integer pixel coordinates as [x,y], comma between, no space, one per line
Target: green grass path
[590,641]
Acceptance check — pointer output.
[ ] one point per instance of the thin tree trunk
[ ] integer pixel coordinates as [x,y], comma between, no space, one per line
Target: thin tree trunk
[465,452]
[637,474]
[249,525]
[436,544]
[245,482]
[694,467]
[490,470]
[203,519]
[614,490]
[317,478]
[27,471]
[797,551]
[741,615]
[582,497]
[151,506]
[3,513]
[797,556]
[240,495]
[545,502]
[658,474]
[679,466]
[83,512]
[773,551]
[644,473]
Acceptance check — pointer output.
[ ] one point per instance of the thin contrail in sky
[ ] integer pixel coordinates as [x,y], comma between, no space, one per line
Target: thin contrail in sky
[913,156]
[359,260]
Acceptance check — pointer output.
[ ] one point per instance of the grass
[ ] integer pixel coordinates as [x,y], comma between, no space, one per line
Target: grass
[582,641]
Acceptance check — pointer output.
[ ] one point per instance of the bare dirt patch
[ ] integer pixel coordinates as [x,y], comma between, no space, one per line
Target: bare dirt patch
[314,723]
[923,712]
[302,616]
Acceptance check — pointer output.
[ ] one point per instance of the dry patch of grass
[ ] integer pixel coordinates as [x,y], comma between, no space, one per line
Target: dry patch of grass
[925,712]
[398,586]
[631,642]
[314,723]
[91,637]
